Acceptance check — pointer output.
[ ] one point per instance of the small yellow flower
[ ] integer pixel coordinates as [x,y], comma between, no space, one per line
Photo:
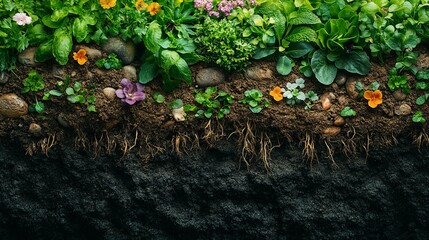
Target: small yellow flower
[276,93]
[140,5]
[80,56]
[374,97]
[106,4]
[154,8]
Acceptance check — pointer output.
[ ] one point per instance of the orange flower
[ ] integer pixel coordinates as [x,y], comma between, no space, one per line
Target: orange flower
[80,56]
[140,5]
[106,4]
[374,97]
[276,93]
[154,8]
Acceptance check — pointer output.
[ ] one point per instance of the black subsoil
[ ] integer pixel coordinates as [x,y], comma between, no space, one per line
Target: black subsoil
[132,172]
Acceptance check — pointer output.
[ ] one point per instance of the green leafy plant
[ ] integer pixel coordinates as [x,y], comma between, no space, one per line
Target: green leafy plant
[34,82]
[211,102]
[178,103]
[222,42]
[418,117]
[166,56]
[158,97]
[337,41]
[110,62]
[347,112]
[396,82]
[74,94]
[38,107]
[254,98]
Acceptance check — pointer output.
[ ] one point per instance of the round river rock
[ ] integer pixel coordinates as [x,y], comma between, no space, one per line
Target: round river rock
[12,106]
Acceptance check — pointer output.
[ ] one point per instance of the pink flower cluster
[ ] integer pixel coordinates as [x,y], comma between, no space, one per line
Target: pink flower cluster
[21,19]
[225,6]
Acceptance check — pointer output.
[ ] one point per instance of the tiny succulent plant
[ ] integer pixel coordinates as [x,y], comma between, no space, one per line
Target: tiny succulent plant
[130,92]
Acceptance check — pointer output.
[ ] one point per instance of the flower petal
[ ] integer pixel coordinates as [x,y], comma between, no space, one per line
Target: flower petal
[130,101]
[120,93]
[372,104]
[368,94]
[125,82]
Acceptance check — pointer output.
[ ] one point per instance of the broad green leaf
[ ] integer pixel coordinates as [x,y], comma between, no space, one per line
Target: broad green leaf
[158,97]
[298,50]
[354,62]
[421,100]
[324,70]
[303,16]
[302,34]
[153,37]
[80,29]
[263,52]
[178,103]
[148,71]
[44,51]
[284,65]
[62,45]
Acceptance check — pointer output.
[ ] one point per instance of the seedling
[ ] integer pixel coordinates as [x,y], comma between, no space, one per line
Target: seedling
[254,99]
[110,62]
[158,97]
[34,82]
[211,103]
[38,107]
[418,117]
[348,112]
[398,82]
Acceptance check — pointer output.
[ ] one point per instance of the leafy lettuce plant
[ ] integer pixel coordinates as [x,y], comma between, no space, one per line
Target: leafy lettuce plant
[34,82]
[211,103]
[254,98]
[336,41]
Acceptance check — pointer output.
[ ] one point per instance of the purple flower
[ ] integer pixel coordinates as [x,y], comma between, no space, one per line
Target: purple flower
[21,19]
[130,92]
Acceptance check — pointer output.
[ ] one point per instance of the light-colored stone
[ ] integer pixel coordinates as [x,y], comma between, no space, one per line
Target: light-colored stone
[26,57]
[34,128]
[399,95]
[4,77]
[109,93]
[73,74]
[210,77]
[403,110]
[130,72]
[339,121]
[351,88]
[126,51]
[12,106]
[257,73]
[179,114]
[326,100]
[340,79]
[331,131]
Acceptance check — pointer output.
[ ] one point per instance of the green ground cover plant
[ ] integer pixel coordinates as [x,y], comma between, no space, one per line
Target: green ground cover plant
[322,37]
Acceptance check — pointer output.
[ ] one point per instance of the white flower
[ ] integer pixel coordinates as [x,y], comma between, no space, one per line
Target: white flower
[291,86]
[288,94]
[301,96]
[21,19]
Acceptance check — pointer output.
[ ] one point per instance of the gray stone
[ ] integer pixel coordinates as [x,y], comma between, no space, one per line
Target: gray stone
[62,121]
[403,110]
[12,106]
[4,77]
[126,51]
[210,77]
[257,73]
[341,79]
[26,57]
[130,72]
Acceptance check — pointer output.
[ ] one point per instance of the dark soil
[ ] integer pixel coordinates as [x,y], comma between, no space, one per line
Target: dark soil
[68,195]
